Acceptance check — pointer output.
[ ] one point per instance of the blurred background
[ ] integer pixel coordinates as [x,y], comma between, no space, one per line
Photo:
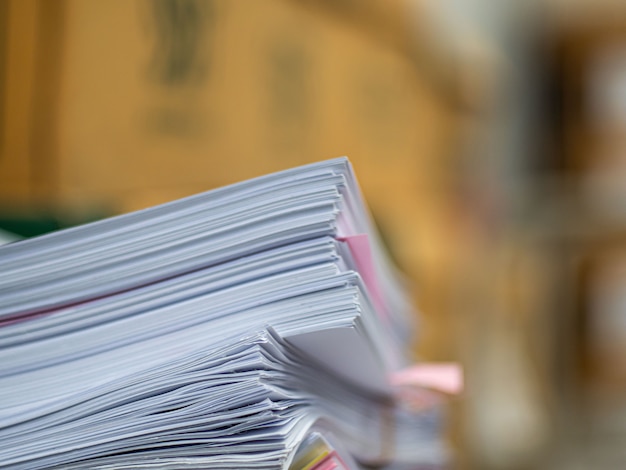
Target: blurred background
[489,137]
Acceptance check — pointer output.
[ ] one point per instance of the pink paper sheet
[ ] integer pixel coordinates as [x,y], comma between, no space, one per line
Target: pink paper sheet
[443,377]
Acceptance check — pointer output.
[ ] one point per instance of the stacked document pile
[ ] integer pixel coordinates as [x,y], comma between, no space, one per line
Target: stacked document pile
[254,326]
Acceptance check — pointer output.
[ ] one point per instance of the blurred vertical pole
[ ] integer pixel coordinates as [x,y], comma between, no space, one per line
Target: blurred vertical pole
[46,100]
[506,422]
[17,81]
[4,36]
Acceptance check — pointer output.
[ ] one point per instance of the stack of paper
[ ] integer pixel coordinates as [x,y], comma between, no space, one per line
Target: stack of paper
[234,329]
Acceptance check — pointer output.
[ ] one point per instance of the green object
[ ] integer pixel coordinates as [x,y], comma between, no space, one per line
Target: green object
[33,225]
